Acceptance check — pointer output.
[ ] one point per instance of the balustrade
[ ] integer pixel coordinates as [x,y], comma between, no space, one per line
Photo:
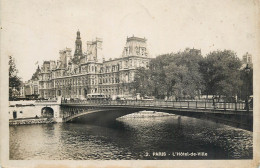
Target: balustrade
[163,104]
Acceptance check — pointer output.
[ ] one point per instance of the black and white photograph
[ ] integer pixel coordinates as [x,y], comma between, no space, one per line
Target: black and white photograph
[130,83]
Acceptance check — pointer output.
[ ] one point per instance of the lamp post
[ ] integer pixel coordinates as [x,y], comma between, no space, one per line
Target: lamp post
[70,90]
[247,70]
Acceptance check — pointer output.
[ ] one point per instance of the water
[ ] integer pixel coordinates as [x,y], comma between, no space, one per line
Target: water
[137,138]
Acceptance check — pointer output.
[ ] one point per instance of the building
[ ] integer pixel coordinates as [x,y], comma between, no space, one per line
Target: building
[247,60]
[30,88]
[89,73]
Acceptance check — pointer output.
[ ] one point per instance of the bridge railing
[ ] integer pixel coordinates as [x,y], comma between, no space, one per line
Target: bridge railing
[161,103]
[44,101]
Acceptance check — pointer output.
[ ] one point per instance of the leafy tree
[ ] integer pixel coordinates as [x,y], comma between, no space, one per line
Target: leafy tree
[171,75]
[158,76]
[14,80]
[221,74]
[176,80]
[191,78]
[142,82]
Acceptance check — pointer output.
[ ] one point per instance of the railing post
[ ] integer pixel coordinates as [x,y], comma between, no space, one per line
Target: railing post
[205,104]
[196,104]
[225,106]
[188,104]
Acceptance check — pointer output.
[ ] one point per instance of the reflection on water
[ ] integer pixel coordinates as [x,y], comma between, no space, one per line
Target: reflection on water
[139,138]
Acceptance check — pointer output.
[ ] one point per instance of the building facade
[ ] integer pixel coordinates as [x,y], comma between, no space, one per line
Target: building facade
[30,88]
[247,60]
[88,72]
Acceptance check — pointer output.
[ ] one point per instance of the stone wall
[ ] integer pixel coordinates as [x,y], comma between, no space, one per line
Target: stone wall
[31,121]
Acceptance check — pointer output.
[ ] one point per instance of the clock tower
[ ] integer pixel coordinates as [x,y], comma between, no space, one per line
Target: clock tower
[78,47]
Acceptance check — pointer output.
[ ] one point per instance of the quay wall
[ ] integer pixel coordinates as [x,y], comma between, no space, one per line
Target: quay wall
[31,121]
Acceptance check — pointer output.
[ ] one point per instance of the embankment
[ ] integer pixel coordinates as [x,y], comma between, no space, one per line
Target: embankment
[29,121]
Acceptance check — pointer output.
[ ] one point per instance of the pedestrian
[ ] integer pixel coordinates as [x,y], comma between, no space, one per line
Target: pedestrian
[213,99]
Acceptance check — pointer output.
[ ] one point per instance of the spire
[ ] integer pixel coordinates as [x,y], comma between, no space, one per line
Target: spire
[78,48]
[78,34]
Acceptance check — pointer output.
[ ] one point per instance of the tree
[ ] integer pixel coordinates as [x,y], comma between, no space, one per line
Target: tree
[191,78]
[179,73]
[176,80]
[142,82]
[14,80]
[171,75]
[221,74]
[158,77]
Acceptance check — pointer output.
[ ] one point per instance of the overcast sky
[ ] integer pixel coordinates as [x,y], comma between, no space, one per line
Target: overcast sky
[36,30]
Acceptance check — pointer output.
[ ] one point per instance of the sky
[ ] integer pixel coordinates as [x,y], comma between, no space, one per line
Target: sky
[34,31]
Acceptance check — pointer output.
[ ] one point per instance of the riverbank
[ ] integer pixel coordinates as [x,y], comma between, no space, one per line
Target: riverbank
[29,121]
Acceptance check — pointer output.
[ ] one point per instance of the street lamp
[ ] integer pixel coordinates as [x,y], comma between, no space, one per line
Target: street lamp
[69,89]
[247,70]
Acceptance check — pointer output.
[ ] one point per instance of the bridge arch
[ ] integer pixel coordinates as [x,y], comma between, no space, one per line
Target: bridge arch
[47,112]
[100,115]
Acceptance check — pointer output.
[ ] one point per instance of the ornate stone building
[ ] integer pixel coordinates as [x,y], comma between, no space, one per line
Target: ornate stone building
[89,73]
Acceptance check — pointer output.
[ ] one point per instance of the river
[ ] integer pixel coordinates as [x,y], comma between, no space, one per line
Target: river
[169,137]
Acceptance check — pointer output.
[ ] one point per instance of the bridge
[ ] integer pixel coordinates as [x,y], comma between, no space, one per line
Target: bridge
[233,114]
[105,111]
